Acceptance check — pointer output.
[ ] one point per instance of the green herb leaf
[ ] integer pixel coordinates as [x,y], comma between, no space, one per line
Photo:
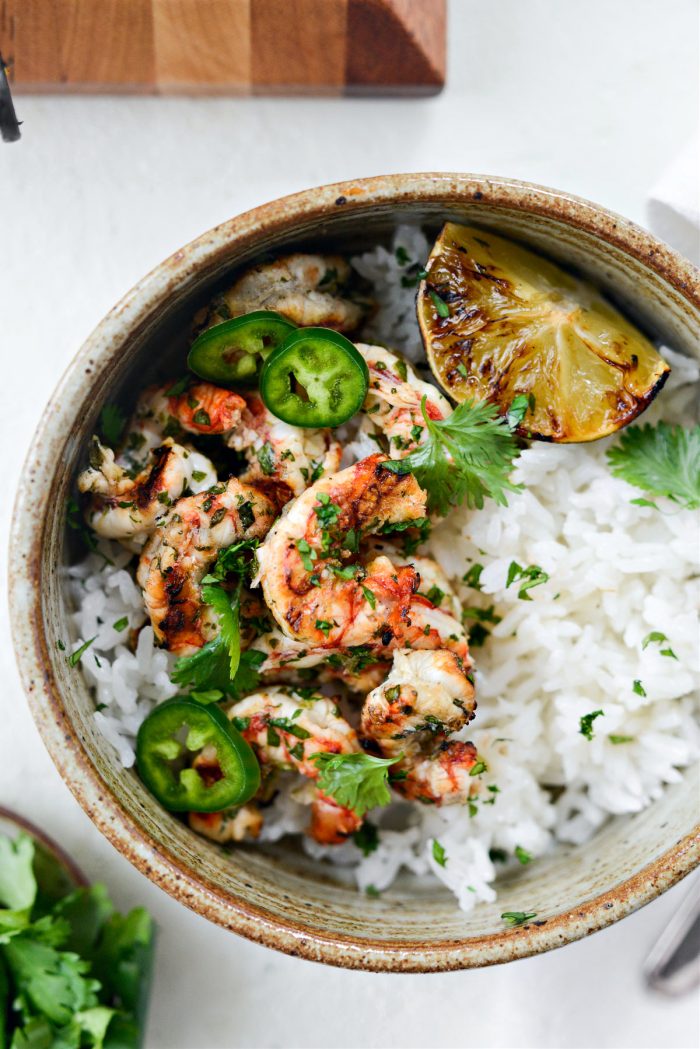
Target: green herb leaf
[519,407]
[121,624]
[227,607]
[465,458]
[112,422]
[638,688]
[522,855]
[367,838]
[369,597]
[586,723]
[443,310]
[179,387]
[266,458]
[663,460]
[620,739]
[473,576]
[658,638]
[201,418]
[530,576]
[356,781]
[514,918]
[212,695]
[439,854]
[18,886]
[75,657]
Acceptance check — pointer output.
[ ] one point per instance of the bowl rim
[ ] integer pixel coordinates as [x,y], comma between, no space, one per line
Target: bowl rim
[31,645]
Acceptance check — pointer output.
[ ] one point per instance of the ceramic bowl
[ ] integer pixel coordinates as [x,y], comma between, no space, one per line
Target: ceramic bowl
[279,897]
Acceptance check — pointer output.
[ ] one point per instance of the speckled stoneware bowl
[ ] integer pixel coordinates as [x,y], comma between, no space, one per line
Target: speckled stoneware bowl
[282,899]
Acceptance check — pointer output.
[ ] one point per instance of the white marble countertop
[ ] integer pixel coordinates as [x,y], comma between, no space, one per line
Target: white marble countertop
[594,99]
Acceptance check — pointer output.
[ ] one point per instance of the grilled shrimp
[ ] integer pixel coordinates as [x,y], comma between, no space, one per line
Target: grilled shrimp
[427,697]
[312,592]
[229,825]
[179,553]
[283,459]
[201,408]
[126,507]
[131,489]
[285,731]
[435,609]
[324,595]
[392,408]
[311,290]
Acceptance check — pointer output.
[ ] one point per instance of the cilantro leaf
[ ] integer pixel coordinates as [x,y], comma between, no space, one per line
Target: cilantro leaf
[519,408]
[112,422]
[226,607]
[367,838]
[515,918]
[586,723]
[663,460]
[235,559]
[530,576]
[356,781]
[53,982]
[439,854]
[208,669]
[18,886]
[465,458]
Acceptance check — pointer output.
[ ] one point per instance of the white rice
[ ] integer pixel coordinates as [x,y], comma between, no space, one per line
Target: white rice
[616,573]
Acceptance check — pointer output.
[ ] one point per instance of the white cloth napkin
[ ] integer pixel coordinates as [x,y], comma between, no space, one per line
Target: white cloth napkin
[673,208]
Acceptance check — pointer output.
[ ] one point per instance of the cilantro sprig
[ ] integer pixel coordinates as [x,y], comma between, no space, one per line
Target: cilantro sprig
[465,458]
[662,460]
[220,665]
[73,972]
[356,781]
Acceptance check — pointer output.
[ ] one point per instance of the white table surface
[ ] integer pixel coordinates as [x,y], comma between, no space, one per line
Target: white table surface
[589,97]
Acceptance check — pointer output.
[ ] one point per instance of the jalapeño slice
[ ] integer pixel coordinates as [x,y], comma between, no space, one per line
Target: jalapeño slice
[168,740]
[231,353]
[315,378]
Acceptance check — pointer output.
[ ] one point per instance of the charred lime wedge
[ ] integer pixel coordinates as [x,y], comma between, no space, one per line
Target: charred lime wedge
[499,323]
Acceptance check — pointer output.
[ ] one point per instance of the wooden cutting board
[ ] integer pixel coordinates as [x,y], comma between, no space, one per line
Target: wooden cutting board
[236,47]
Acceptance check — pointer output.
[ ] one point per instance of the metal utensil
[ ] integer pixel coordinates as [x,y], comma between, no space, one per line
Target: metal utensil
[673,965]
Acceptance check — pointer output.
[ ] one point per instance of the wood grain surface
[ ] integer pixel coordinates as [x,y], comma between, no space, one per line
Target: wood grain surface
[322,47]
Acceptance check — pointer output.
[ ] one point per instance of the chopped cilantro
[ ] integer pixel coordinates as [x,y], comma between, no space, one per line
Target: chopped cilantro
[515,918]
[369,597]
[658,638]
[586,723]
[529,577]
[441,307]
[519,407]
[266,458]
[522,856]
[638,688]
[439,854]
[112,422]
[75,657]
[473,576]
[308,554]
[121,624]
[367,838]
